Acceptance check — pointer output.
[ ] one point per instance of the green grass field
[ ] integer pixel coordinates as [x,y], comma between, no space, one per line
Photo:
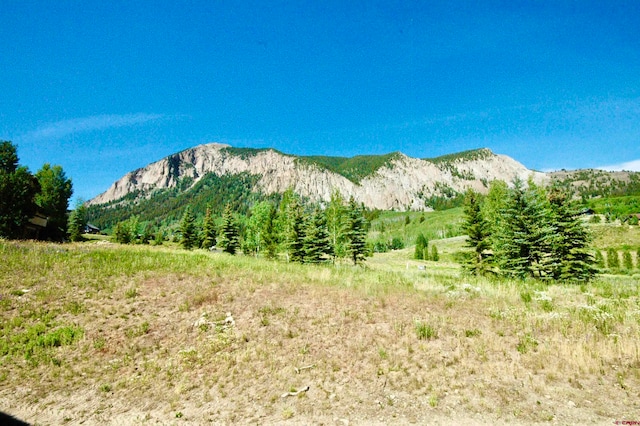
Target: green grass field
[97,333]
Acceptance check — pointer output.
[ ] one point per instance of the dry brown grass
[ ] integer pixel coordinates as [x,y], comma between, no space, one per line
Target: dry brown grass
[494,352]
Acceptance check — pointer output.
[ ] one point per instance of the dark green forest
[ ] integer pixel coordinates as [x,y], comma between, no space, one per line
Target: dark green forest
[164,207]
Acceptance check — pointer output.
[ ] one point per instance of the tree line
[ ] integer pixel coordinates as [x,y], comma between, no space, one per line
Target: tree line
[527,231]
[23,196]
[298,231]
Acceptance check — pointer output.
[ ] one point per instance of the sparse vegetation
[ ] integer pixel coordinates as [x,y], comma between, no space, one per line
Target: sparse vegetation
[353,168]
[121,325]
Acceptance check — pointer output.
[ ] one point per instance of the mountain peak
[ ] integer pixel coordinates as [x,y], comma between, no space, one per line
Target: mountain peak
[389,181]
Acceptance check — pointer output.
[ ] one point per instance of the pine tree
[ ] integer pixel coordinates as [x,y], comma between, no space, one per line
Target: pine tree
[317,245]
[336,217]
[574,261]
[229,238]
[188,230]
[355,232]
[421,245]
[295,228]
[208,230]
[77,222]
[270,235]
[478,234]
[8,157]
[523,243]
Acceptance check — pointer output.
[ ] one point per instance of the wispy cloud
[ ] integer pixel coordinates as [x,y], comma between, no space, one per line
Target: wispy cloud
[630,166]
[60,129]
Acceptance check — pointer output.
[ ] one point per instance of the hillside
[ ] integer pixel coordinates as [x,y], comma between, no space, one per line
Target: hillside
[385,182]
[591,183]
[108,334]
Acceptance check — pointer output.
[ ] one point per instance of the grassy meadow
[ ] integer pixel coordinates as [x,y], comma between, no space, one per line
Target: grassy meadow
[97,333]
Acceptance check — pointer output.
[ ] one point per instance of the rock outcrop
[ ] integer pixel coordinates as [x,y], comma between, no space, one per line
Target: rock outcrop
[402,183]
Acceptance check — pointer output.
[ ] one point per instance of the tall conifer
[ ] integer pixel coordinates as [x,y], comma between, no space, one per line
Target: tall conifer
[229,237]
[317,246]
[571,239]
[355,232]
[188,229]
[208,230]
[478,234]
[295,231]
[523,243]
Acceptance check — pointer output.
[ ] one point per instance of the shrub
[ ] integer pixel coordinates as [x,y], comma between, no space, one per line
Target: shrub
[627,262]
[613,259]
[434,254]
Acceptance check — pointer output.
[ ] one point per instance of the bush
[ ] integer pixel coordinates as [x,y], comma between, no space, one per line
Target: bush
[627,262]
[613,260]
[397,243]
[434,254]
[380,247]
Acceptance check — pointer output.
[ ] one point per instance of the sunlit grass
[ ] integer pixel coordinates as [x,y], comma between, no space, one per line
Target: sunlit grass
[147,327]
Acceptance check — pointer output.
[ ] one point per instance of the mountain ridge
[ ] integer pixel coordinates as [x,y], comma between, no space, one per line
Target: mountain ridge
[391,181]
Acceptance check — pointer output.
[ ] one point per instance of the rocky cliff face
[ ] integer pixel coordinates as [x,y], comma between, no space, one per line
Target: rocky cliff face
[403,183]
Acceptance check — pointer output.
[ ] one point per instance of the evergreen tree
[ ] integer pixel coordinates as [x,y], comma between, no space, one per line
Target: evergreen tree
[523,242]
[574,261]
[355,232]
[18,189]
[295,228]
[478,234]
[208,230]
[229,237]
[8,157]
[317,245]
[638,258]
[77,222]
[188,230]
[53,200]
[421,245]
[336,218]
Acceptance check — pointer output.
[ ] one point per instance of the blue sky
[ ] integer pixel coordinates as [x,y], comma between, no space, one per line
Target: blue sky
[103,88]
